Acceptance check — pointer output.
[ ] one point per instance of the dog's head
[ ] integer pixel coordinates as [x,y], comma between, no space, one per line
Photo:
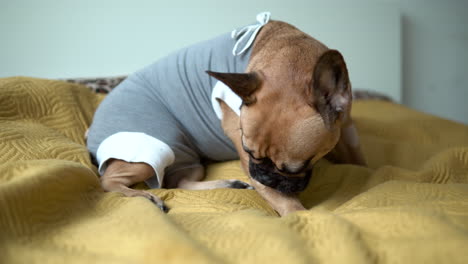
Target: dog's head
[294,102]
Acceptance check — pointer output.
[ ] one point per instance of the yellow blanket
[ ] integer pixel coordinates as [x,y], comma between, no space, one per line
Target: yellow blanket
[409,206]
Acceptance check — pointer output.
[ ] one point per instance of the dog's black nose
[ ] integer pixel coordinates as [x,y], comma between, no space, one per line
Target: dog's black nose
[265,174]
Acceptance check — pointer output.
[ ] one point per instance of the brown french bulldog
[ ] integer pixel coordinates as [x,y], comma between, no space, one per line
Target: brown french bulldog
[296,109]
[296,102]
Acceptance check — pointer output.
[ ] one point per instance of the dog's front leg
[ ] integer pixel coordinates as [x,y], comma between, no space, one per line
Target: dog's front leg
[280,202]
[191,179]
[119,175]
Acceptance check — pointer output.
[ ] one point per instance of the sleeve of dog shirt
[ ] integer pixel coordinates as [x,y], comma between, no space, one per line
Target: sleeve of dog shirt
[135,147]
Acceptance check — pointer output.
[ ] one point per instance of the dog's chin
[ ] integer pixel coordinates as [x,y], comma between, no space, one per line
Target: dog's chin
[264,174]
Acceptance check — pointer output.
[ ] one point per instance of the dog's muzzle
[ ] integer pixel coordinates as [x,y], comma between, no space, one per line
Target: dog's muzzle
[264,173]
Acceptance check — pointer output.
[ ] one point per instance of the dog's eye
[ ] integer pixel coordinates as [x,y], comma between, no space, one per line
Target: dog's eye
[250,152]
[252,157]
[257,160]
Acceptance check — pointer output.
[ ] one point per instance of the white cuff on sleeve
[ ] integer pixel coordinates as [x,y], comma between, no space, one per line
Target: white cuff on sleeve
[136,147]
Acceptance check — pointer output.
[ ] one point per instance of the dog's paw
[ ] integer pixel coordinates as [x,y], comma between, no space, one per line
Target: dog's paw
[157,201]
[161,205]
[236,184]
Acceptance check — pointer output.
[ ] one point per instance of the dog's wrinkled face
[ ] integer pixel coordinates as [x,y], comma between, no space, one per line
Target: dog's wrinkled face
[284,140]
[288,124]
[284,135]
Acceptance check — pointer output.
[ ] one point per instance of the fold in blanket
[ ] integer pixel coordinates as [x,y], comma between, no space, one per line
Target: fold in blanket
[409,206]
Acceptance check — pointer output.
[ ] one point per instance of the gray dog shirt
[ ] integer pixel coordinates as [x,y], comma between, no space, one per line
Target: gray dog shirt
[166,115]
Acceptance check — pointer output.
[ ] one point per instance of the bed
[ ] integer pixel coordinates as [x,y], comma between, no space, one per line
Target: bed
[409,206]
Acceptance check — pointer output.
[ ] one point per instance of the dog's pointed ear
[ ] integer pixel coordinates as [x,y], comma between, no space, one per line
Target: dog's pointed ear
[332,95]
[243,84]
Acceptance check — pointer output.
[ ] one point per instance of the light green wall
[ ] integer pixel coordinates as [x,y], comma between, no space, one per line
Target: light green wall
[413,51]
[435,57]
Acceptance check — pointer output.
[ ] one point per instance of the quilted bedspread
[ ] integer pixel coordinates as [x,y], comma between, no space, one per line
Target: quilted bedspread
[409,206]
